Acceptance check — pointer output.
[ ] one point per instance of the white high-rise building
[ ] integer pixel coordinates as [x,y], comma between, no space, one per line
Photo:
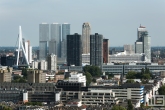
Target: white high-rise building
[143,42]
[28,51]
[86,31]
[43,65]
[52,62]
[30,54]
[35,64]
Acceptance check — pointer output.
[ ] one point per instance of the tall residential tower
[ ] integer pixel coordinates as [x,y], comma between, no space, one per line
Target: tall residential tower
[74,50]
[96,49]
[86,31]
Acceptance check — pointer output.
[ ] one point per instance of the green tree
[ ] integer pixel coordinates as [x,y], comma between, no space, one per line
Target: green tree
[138,75]
[88,78]
[6,108]
[24,72]
[147,71]
[94,80]
[142,71]
[130,81]
[118,107]
[131,75]
[129,106]
[19,79]
[146,76]
[8,69]
[49,79]
[161,90]
[93,70]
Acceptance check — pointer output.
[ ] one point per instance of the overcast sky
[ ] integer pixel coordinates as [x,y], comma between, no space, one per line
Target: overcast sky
[116,20]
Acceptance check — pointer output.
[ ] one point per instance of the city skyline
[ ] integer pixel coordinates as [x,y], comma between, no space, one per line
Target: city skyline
[115,19]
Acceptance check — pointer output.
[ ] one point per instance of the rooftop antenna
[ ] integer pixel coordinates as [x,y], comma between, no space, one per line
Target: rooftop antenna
[20,46]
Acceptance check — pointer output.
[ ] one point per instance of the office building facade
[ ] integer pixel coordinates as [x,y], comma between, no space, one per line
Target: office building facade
[143,42]
[65,32]
[96,49]
[74,50]
[56,39]
[52,47]
[43,40]
[86,31]
[129,49]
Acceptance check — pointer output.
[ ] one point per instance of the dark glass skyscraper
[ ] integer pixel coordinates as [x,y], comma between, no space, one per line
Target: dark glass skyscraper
[96,49]
[74,50]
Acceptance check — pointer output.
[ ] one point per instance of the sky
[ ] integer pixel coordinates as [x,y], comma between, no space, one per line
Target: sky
[116,20]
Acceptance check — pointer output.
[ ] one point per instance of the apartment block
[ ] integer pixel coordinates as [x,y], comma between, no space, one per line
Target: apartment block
[5,76]
[36,76]
[98,97]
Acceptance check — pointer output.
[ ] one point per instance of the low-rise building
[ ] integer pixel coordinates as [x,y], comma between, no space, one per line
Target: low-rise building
[125,91]
[78,77]
[99,97]
[58,77]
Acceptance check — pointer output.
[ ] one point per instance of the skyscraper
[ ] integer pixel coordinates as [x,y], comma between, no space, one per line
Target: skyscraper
[96,49]
[105,50]
[140,30]
[52,47]
[143,43]
[65,32]
[86,31]
[43,40]
[55,39]
[74,50]
[147,46]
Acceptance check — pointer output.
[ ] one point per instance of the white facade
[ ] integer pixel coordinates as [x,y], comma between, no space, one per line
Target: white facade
[98,97]
[129,48]
[43,65]
[25,97]
[86,59]
[35,64]
[134,93]
[27,50]
[30,54]
[78,77]
[51,76]
[124,57]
